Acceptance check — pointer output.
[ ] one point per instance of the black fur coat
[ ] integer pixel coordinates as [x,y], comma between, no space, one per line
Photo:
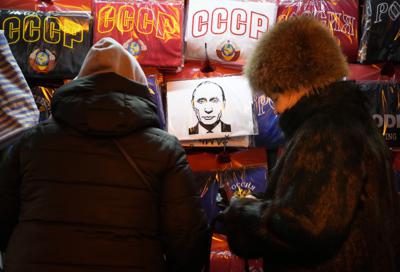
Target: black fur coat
[331,204]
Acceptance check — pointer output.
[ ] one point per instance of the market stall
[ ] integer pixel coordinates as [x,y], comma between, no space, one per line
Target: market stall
[193,48]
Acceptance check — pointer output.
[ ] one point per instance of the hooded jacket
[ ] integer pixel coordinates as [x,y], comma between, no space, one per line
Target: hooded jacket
[331,204]
[70,201]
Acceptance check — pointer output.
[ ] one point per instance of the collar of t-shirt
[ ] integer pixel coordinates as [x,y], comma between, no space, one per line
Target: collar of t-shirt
[216,129]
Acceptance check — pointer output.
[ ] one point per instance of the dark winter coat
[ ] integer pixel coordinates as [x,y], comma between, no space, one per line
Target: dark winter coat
[331,204]
[73,203]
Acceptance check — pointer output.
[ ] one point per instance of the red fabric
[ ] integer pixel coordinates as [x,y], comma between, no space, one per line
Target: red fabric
[209,161]
[340,16]
[396,160]
[361,72]
[151,31]
[222,260]
[47,5]
[193,70]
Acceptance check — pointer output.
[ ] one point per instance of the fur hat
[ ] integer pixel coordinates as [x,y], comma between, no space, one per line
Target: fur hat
[107,55]
[298,53]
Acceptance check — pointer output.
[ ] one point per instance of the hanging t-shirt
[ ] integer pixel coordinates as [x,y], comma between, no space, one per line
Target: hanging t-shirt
[341,17]
[385,108]
[150,30]
[229,28]
[43,97]
[156,98]
[209,108]
[246,173]
[45,5]
[380,39]
[18,110]
[47,44]
[269,135]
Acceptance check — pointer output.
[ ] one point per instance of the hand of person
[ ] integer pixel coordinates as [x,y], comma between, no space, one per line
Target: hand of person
[241,222]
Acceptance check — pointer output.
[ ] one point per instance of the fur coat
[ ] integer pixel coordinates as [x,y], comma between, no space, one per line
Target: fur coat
[331,204]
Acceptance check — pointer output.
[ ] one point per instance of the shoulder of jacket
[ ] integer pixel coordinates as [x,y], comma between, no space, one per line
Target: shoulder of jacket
[162,135]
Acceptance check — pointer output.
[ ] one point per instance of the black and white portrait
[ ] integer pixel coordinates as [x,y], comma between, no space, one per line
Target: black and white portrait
[210,108]
[208,102]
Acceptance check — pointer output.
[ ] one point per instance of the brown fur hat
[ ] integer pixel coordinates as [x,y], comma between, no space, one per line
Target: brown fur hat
[298,53]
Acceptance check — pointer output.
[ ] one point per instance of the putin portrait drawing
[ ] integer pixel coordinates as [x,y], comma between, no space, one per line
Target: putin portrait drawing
[208,103]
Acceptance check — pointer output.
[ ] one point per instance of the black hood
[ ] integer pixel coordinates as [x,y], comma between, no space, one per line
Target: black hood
[104,105]
[339,100]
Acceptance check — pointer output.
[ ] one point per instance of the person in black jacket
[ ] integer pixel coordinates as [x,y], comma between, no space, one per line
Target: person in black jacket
[331,204]
[69,199]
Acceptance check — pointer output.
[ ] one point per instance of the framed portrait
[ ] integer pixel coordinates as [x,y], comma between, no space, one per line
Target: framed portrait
[210,108]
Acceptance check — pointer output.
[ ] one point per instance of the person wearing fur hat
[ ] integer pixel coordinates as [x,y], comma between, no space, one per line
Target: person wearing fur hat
[71,202]
[331,204]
